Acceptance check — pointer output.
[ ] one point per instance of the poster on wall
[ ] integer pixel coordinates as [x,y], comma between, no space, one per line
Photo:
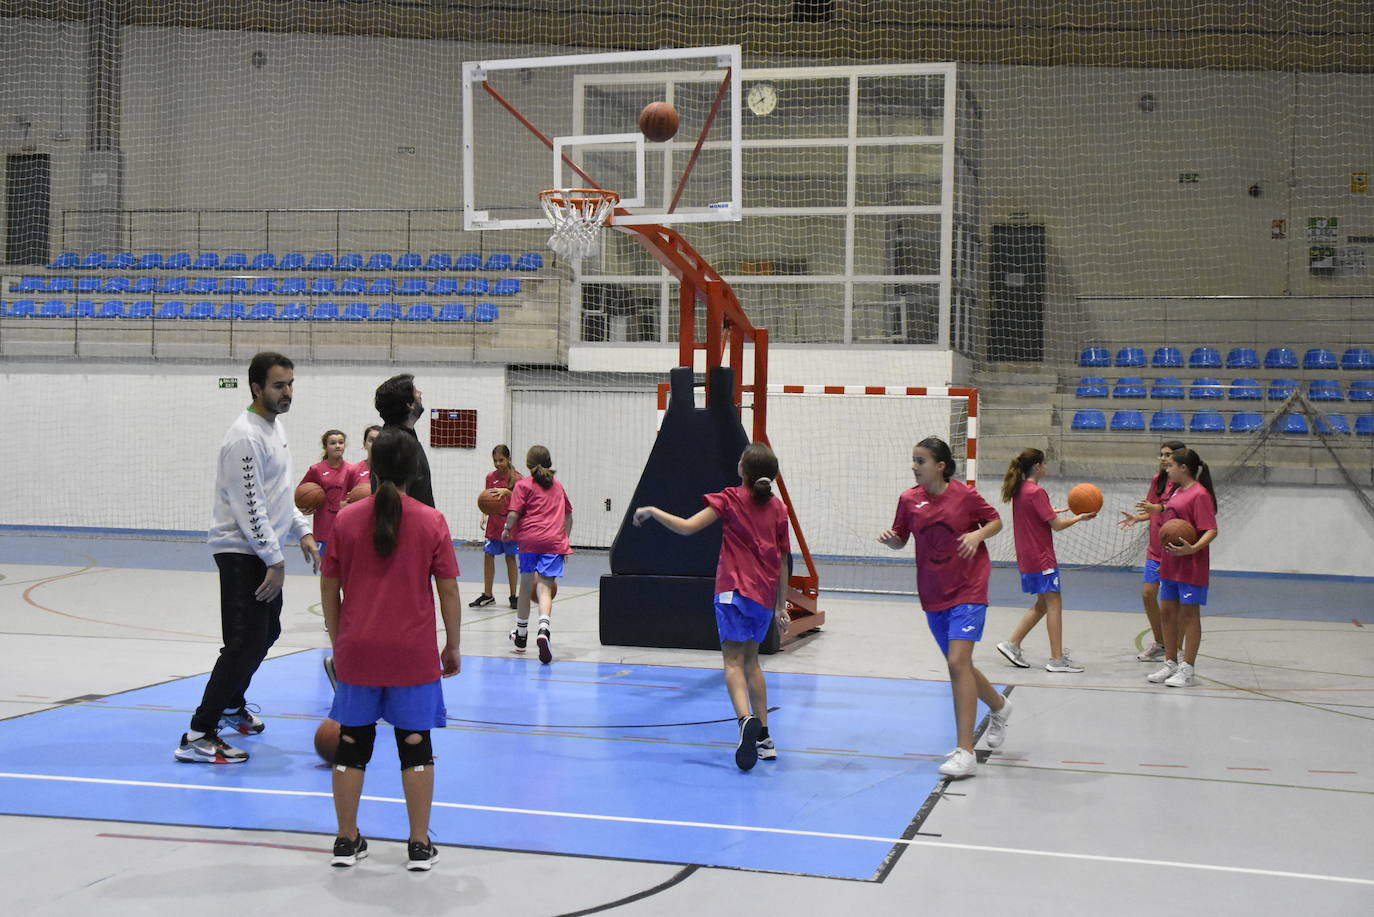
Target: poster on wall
[1321,230]
[1321,259]
[1278,229]
[1351,260]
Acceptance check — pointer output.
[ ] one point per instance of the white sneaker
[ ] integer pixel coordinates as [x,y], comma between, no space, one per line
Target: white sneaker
[1013,653]
[959,764]
[767,750]
[1182,678]
[1151,653]
[1063,664]
[996,732]
[1158,678]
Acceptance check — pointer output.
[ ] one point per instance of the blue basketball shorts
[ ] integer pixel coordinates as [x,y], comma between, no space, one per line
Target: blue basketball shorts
[1044,581]
[1183,593]
[962,622]
[1151,571]
[498,547]
[412,707]
[549,566]
[741,619]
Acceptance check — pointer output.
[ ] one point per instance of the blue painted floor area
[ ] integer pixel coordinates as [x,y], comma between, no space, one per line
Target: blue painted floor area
[573,758]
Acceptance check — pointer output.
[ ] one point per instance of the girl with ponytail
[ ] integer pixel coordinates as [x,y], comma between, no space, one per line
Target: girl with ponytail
[1150,510]
[1185,568]
[1035,523]
[540,508]
[751,586]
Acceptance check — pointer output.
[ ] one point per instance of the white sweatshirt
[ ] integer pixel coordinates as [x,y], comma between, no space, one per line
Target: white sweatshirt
[255,506]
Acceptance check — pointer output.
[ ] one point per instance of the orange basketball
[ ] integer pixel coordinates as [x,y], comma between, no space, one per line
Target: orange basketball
[327,740]
[1085,498]
[658,121]
[309,497]
[359,493]
[491,503]
[1178,531]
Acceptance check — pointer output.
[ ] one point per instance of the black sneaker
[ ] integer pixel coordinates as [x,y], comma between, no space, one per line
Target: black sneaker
[422,856]
[482,601]
[747,752]
[514,602]
[542,640]
[347,852]
[520,640]
[242,721]
[209,749]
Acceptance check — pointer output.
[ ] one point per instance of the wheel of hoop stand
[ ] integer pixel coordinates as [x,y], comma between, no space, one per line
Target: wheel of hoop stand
[577,215]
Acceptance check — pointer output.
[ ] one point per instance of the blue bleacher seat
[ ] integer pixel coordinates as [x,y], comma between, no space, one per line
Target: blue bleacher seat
[1319,358]
[237,261]
[469,261]
[380,286]
[529,261]
[1128,420]
[152,261]
[262,286]
[141,309]
[440,261]
[200,309]
[1325,390]
[324,312]
[231,310]
[1246,421]
[1332,423]
[203,285]
[506,286]
[385,312]
[1357,358]
[93,262]
[261,312]
[291,286]
[112,308]
[474,286]
[293,312]
[291,261]
[498,261]
[1205,358]
[322,286]
[407,262]
[1092,387]
[22,308]
[484,312]
[419,312]
[1129,387]
[444,286]
[414,286]
[177,261]
[1245,390]
[1095,356]
[381,261]
[1129,356]
[88,284]
[1207,422]
[1364,425]
[205,261]
[173,308]
[263,261]
[1166,422]
[1167,387]
[65,260]
[149,284]
[121,261]
[85,308]
[354,286]
[349,261]
[1280,389]
[1361,390]
[31,285]
[354,312]
[450,312]
[1242,358]
[1292,423]
[234,286]
[321,261]
[53,308]
[1089,420]
[1206,387]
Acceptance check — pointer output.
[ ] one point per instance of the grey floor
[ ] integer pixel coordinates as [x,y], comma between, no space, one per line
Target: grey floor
[1252,793]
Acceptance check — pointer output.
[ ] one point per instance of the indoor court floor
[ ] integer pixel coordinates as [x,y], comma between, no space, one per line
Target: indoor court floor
[605,782]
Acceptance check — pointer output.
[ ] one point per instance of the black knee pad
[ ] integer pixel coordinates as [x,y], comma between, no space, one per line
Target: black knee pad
[420,754]
[357,753]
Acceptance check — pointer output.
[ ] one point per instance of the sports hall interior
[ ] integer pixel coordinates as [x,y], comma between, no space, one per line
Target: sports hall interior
[1117,223]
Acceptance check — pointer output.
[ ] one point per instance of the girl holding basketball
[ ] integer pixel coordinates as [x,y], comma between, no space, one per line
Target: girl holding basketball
[1184,569]
[501,480]
[1034,523]
[337,477]
[379,607]
[1150,510]
[950,521]
[751,586]
[541,509]
[363,469]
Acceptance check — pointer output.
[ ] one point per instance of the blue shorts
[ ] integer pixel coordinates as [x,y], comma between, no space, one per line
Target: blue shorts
[498,547]
[1038,583]
[1184,594]
[412,707]
[1151,571]
[549,566]
[741,619]
[319,546]
[962,622]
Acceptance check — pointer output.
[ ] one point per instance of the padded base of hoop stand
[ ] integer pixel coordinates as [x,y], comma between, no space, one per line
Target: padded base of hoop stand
[669,612]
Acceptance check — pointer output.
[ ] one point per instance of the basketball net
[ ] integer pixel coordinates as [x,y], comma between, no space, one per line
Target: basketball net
[577,216]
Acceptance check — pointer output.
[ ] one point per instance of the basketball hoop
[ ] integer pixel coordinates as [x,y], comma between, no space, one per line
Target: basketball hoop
[578,216]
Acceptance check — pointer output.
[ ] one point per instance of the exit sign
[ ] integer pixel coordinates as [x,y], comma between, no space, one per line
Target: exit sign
[1188,178]
[228,382]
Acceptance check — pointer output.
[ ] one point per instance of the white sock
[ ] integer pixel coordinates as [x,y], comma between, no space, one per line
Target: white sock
[543,623]
[192,735]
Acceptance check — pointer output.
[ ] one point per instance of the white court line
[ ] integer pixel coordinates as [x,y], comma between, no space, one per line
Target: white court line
[827,835]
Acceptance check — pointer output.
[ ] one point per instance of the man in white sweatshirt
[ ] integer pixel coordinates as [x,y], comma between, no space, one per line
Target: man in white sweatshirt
[254,512]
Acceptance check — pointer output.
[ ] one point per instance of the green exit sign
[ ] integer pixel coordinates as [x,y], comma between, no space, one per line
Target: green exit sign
[1188,178]
[228,382]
